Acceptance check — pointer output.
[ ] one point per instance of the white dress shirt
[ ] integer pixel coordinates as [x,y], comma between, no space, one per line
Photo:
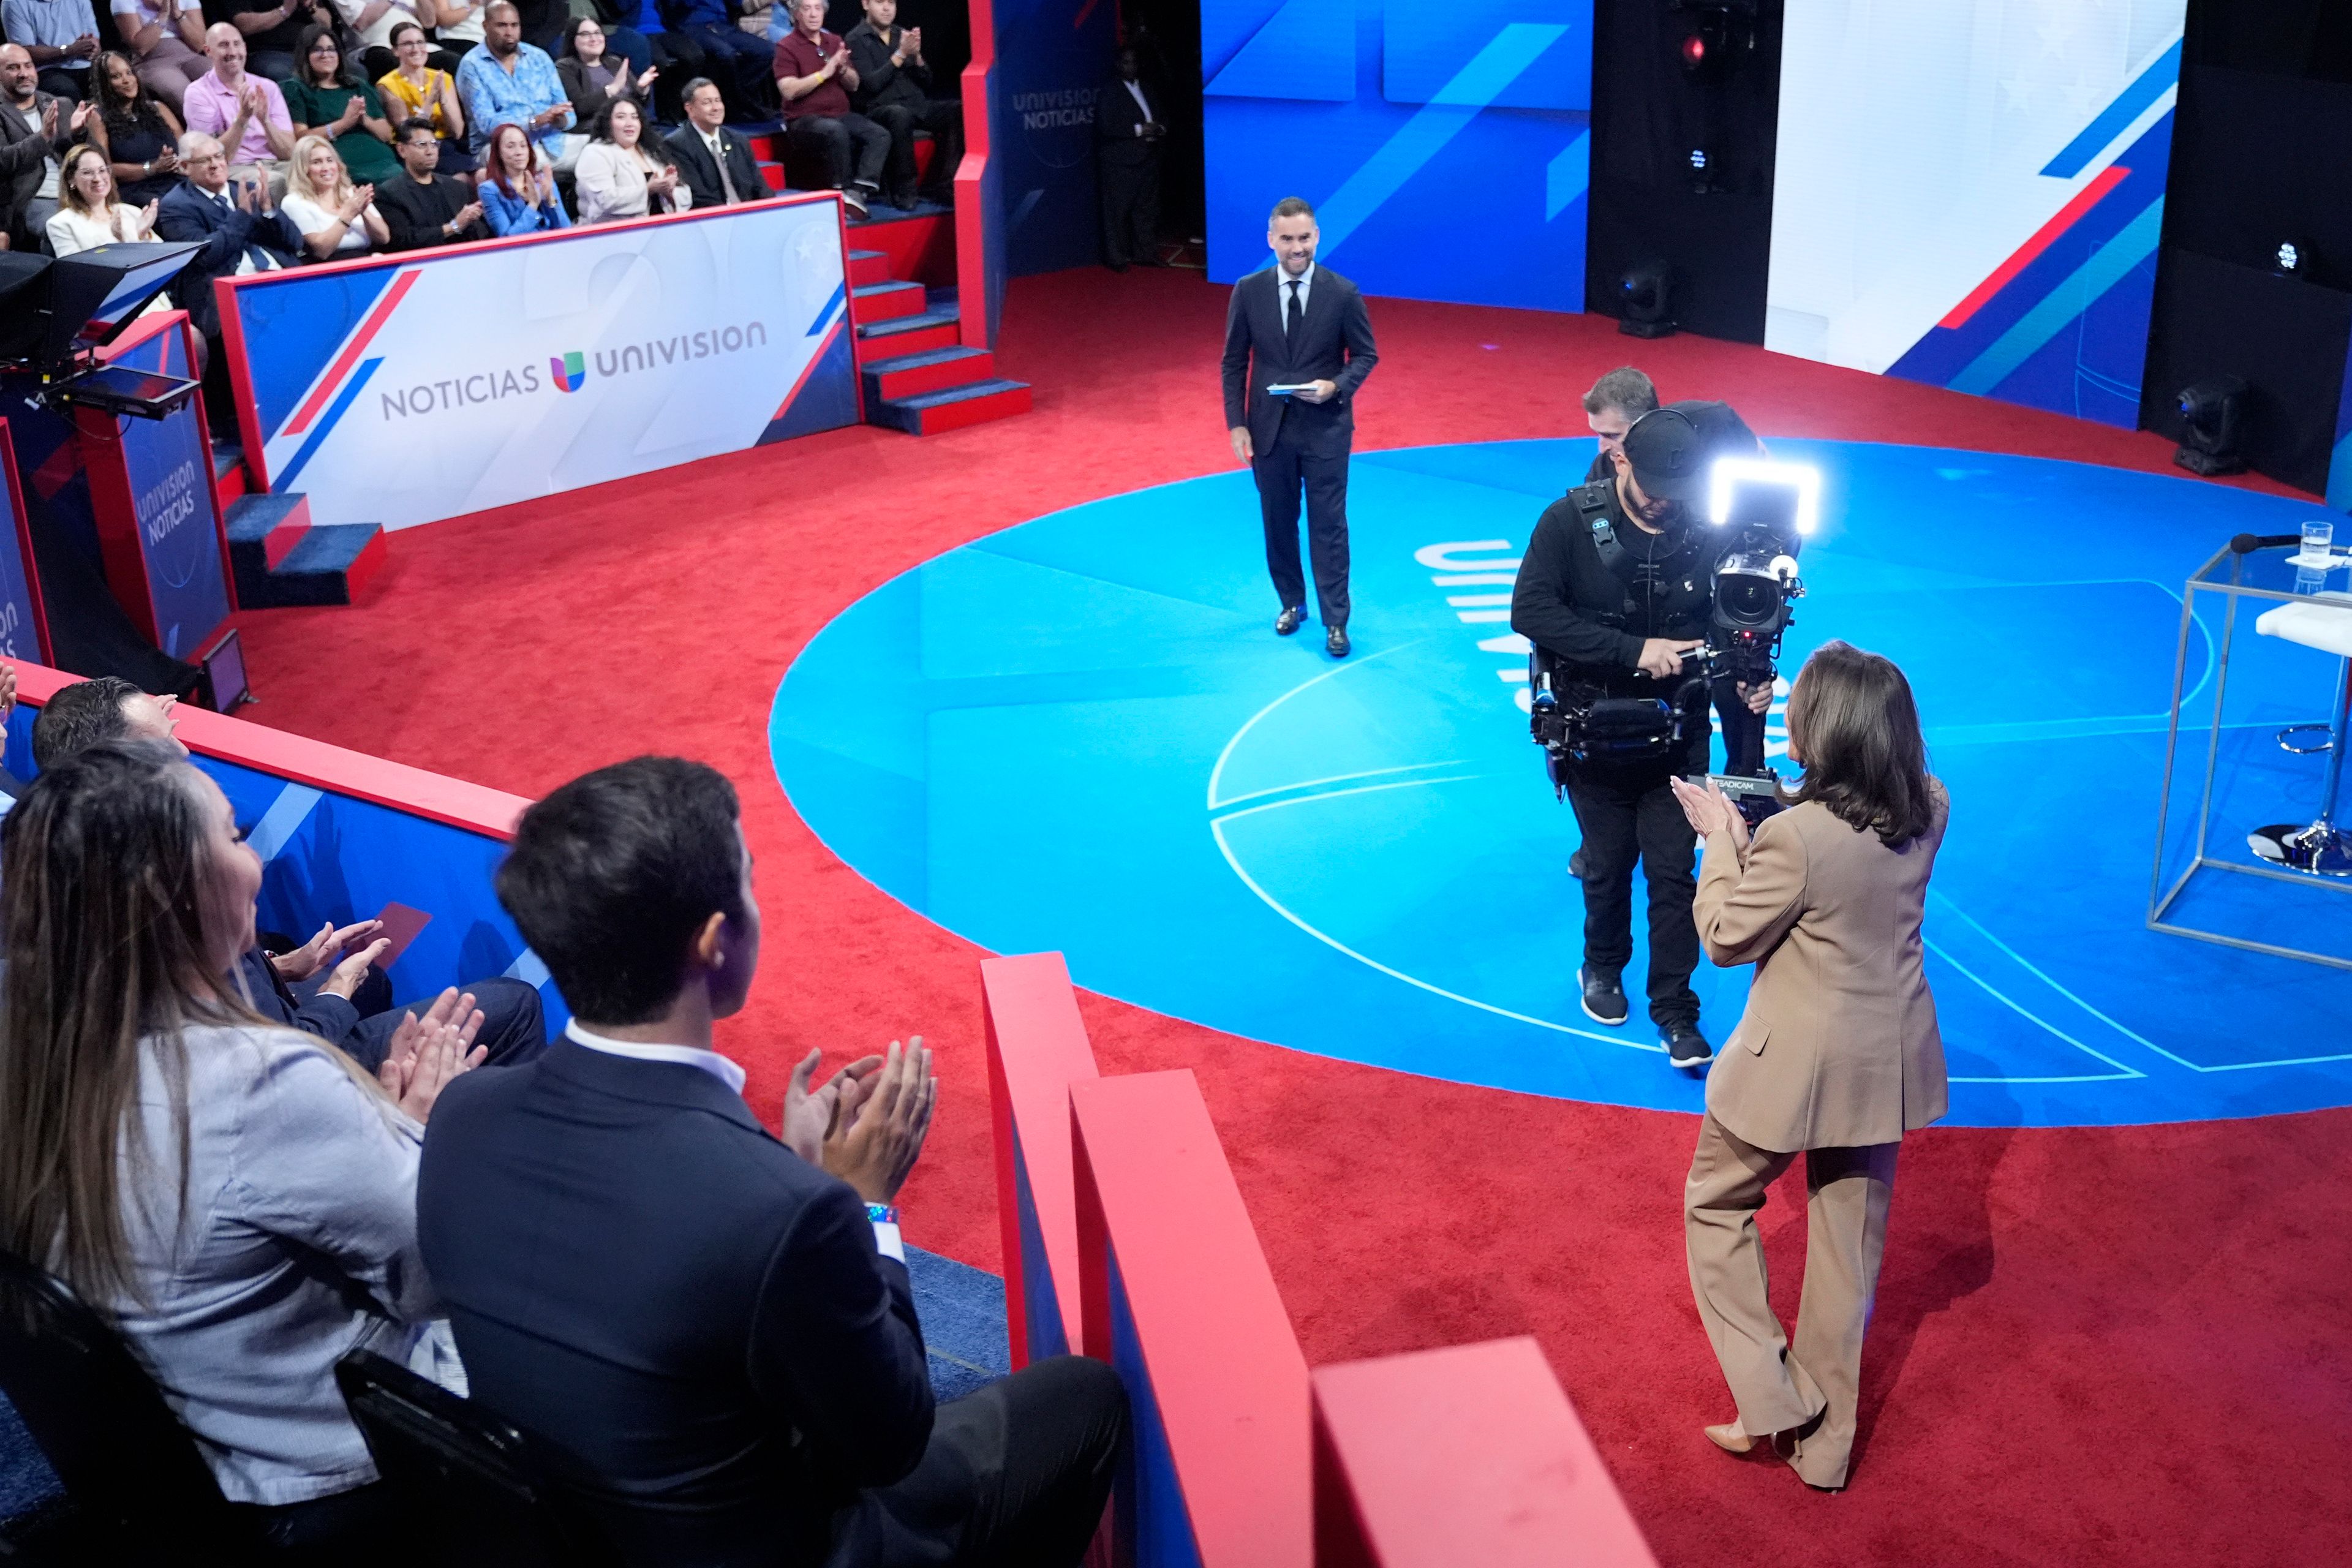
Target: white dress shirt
[1135,92]
[711,1062]
[1283,279]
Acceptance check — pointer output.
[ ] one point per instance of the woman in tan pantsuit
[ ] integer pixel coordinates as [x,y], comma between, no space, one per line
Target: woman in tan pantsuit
[1837,1055]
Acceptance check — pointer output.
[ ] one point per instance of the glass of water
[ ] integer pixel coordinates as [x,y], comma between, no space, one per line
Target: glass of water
[2317,536]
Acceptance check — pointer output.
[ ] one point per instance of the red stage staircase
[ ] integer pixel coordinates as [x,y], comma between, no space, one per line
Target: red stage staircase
[918,376]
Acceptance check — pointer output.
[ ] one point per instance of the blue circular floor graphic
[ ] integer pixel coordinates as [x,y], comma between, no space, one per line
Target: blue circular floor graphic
[1081,734]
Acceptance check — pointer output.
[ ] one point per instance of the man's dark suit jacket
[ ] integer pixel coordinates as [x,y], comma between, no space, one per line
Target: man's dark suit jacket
[187,214]
[332,1019]
[1119,121]
[700,172]
[1335,344]
[414,211]
[24,153]
[694,1320]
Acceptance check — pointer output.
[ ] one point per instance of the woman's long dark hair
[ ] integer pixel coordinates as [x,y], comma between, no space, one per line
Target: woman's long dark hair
[1854,725]
[102,887]
[123,113]
[346,69]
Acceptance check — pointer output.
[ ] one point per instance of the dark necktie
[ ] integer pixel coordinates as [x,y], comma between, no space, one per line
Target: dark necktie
[1291,317]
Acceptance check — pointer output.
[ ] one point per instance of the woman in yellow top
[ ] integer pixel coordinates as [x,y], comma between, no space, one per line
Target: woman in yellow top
[414,88]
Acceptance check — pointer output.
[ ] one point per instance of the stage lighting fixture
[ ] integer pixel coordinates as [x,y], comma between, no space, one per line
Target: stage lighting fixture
[2213,413]
[2290,256]
[1645,301]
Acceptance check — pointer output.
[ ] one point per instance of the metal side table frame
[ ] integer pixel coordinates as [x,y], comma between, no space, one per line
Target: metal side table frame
[2232,588]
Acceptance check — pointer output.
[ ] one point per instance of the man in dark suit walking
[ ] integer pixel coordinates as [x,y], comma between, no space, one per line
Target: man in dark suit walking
[711,1329]
[1301,329]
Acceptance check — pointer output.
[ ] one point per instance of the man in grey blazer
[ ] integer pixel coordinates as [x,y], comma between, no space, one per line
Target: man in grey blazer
[1301,326]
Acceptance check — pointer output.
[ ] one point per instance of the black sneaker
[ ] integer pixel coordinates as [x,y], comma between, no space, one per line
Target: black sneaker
[1604,999]
[1686,1046]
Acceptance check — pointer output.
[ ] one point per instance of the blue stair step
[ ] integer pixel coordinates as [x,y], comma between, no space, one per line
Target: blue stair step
[951,407]
[227,455]
[327,567]
[936,316]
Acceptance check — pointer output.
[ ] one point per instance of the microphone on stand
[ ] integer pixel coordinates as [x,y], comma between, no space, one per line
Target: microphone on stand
[2247,544]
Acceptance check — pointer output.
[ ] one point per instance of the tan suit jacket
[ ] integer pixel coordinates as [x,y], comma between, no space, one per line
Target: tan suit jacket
[1839,1047]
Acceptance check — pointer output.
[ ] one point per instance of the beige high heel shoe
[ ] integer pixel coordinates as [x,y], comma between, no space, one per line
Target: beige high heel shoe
[1730,1437]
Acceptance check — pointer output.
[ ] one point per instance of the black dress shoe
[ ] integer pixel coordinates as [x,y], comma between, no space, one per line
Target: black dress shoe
[1335,642]
[1605,997]
[1686,1046]
[1289,622]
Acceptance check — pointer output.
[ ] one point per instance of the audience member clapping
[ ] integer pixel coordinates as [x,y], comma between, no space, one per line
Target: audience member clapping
[508,79]
[622,174]
[238,1198]
[371,23]
[711,1329]
[88,215]
[597,76]
[518,195]
[248,113]
[415,88]
[715,163]
[352,1009]
[166,40]
[57,34]
[138,134]
[423,209]
[334,217]
[31,153]
[327,99]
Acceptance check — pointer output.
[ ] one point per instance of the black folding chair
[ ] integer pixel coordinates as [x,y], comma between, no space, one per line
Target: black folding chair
[466,1480]
[137,1489]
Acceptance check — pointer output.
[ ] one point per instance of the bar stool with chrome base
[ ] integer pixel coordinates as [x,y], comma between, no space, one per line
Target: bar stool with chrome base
[2319,847]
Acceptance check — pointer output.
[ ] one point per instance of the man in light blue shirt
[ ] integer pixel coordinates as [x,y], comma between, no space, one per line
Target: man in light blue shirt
[509,81]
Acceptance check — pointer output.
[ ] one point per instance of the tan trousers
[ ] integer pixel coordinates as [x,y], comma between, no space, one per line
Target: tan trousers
[1777,1386]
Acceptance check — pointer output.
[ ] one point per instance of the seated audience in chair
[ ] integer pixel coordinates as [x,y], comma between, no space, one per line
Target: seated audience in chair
[894,84]
[327,97]
[716,164]
[508,79]
[238,1198]
[245,113]
[415,88]
[519,194]
[336,218]
[239,234]
[166,39]
[353,1007]
[739,61]
[816,76]
[36,132]
[272,30]
[58,37]
[595,76]
[88,215]
[422,207]
[711,1329]
[622,174]
[367,28]
[139,137]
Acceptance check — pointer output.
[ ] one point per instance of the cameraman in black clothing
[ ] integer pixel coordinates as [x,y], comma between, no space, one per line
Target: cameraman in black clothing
[1616,585]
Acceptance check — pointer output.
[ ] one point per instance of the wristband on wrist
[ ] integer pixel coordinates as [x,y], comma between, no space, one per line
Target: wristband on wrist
[882,1214]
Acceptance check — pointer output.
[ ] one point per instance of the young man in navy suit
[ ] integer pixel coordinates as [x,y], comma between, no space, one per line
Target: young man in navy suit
[1303,328]
[708,1329]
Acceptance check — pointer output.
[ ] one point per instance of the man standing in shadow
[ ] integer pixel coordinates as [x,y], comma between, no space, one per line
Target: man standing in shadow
[1131,134]
[1298,344]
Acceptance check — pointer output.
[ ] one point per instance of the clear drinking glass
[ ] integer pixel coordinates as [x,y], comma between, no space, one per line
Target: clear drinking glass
[2317,536]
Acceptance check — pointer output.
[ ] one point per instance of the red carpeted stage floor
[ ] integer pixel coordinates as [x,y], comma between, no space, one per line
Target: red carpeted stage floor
[2122,1346]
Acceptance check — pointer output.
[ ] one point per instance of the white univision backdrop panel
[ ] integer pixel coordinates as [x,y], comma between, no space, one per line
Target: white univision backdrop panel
[430,384]
[1968,191]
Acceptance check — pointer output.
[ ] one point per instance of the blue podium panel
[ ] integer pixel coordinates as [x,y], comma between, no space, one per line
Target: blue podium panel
[1082,735]
[24,626]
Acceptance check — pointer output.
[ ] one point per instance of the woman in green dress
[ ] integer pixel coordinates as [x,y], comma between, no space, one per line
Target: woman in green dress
[326,97]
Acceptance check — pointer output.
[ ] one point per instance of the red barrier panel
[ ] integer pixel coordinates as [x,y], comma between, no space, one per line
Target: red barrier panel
[1471,1455]
[1176,1295]
[1036,1049]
